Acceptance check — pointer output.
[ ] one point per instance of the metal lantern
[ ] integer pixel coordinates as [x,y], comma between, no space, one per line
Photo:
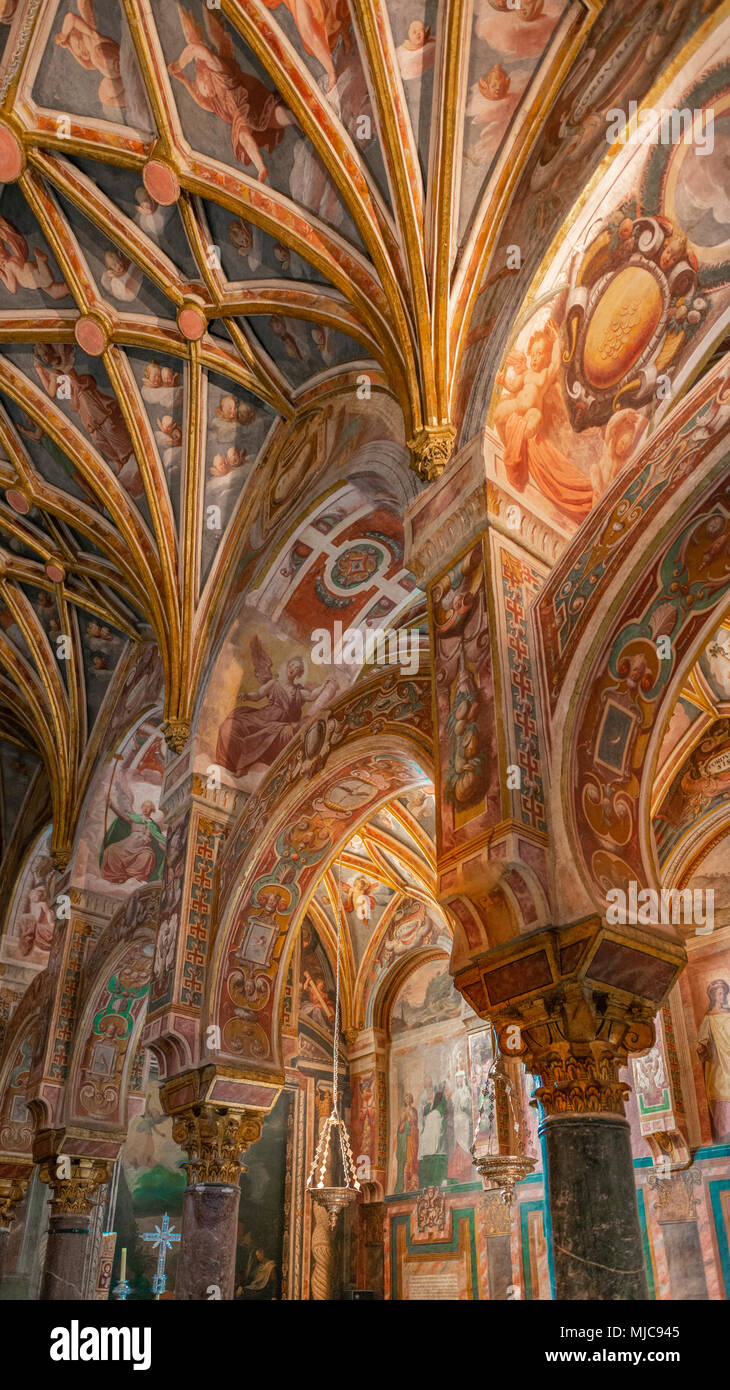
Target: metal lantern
[334,1197]
[500,1157]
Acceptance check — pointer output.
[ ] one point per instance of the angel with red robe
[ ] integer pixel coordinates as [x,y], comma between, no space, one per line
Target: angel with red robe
[320,23]
[94,51]
[250,735]
[21,267]
[100,415]
[257,116]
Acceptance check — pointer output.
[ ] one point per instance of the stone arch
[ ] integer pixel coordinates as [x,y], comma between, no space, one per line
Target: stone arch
[16,1131]
[111,1015]
[264,893]
[383,995]
[611,599]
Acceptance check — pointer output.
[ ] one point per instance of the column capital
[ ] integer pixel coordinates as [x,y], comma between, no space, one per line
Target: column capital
[215,1139]
[431,449]
[12,1192]
[574,1003]
[73,1183]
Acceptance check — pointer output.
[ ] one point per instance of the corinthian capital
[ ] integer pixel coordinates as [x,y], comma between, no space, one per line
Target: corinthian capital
[73,1182]
[215,1138]
[12,1191]
[577,1040]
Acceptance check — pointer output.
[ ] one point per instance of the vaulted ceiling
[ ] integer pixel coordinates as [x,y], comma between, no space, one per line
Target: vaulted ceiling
[216,218]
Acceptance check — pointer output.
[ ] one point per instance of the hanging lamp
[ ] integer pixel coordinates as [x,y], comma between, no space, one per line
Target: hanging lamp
[334,1130]
[501,1160]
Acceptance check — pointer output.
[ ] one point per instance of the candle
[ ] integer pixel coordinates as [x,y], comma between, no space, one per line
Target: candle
[123,1268]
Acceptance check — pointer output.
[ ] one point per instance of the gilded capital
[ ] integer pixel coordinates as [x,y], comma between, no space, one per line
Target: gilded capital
[177,733]
[215,1140]
[73,1182]
[431,450]
[12,1192]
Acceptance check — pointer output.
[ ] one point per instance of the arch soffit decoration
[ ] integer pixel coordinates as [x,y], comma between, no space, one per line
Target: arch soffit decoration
[309,832]
[639,604]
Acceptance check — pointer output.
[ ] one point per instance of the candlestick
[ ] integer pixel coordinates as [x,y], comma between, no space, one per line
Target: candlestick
[123,1266]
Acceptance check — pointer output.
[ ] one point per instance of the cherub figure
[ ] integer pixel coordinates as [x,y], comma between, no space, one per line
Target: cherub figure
[522,417]
[280,328]
[320,23]
[94,51]
[416,54]
[249,735]
[223,464]
[358,897]
[492,103]
[246,240]
[25,269]
[257,116]
[121,277]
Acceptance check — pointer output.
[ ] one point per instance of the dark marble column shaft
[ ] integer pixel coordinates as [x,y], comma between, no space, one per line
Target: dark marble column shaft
[596,1237]
[63,1269]
[207,1264]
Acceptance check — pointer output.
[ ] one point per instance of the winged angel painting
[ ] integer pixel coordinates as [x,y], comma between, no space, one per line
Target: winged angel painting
[250,735]
[256,116]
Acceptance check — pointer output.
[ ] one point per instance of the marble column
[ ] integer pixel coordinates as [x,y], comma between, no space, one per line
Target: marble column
[573,1004]
[577,1054]
[597,1247]
[73,1182]
[11,1193]
[215,1139]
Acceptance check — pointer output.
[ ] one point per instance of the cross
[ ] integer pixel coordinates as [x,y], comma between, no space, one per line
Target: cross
[164,1237]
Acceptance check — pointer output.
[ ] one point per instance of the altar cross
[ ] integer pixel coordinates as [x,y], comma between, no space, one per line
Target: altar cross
[163,1238]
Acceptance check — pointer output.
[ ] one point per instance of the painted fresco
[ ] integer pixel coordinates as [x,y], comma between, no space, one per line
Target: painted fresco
[715,664]
[506,47]
[337,567]
[262,1213]
[365,901]
[432,1116]
[229,110]
[31,920]
[427,997]
[421,805]
[697,789]
[151,1183]
[29,274]
[264,687]
[613,329]
[707,987]
[413,25]
[123,842]
[316,999]
[279,465]
[627,55]
[711,875]
[91,64]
